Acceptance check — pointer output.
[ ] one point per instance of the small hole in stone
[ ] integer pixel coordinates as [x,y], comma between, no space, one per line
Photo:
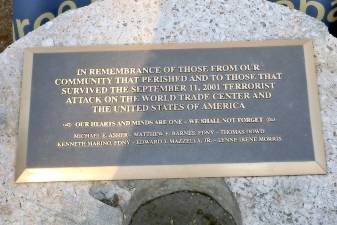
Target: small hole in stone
[114,201]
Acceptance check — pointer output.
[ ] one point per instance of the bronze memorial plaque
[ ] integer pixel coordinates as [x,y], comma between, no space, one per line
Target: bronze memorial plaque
[169,111]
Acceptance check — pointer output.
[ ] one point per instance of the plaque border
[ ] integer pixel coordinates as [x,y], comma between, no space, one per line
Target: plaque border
[318,166]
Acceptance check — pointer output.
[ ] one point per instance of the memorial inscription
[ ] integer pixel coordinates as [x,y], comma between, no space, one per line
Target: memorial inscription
[161,111]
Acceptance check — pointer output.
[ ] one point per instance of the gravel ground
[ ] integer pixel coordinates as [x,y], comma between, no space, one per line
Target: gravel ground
[5,23]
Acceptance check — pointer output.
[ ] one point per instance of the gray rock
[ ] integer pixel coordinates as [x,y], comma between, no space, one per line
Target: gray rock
[263,201]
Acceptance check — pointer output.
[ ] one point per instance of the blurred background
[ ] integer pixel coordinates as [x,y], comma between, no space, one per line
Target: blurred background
[18,17]
[5,23]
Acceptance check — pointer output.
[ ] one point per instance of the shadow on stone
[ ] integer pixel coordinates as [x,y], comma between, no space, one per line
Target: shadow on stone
[182,207]
[193,201]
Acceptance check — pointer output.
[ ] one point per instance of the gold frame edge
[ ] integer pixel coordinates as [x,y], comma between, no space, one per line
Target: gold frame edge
[169,171]
[21,151]
[314,105]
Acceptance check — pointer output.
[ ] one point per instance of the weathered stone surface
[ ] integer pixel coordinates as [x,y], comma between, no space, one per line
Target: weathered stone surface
[263,201]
